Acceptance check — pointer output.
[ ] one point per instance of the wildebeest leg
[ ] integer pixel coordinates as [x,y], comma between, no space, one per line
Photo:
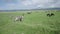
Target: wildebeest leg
[49,15]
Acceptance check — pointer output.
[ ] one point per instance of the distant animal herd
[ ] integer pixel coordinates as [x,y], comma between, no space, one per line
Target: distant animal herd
[21,18]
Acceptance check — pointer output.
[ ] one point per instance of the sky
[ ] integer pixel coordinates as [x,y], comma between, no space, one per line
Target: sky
[28,4]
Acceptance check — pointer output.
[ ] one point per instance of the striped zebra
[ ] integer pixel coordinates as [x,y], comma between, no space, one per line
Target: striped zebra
[19,18]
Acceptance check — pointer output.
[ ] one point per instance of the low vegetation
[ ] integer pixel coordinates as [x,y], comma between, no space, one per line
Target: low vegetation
[34,23]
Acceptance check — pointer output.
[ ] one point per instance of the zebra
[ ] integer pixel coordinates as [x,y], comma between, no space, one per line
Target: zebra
[19,18]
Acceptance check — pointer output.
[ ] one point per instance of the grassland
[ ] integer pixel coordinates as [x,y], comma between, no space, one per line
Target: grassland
[34,23]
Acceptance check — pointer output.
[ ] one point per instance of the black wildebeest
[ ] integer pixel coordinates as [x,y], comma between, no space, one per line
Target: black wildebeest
[51,14]
[29,12]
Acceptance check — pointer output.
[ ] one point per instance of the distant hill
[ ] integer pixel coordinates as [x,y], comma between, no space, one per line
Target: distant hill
[30,9]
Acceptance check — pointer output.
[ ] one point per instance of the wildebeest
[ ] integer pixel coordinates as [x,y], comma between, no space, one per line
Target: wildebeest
[29,12]
[51,14]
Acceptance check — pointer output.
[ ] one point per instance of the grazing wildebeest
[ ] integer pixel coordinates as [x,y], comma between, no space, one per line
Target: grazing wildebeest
[19,18]
[29,12]
[51,14]
[48,15]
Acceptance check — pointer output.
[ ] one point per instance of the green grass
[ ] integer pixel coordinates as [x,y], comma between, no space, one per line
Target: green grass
[34,23]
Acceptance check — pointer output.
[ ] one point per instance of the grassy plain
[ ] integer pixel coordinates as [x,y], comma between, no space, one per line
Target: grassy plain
[34,23]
